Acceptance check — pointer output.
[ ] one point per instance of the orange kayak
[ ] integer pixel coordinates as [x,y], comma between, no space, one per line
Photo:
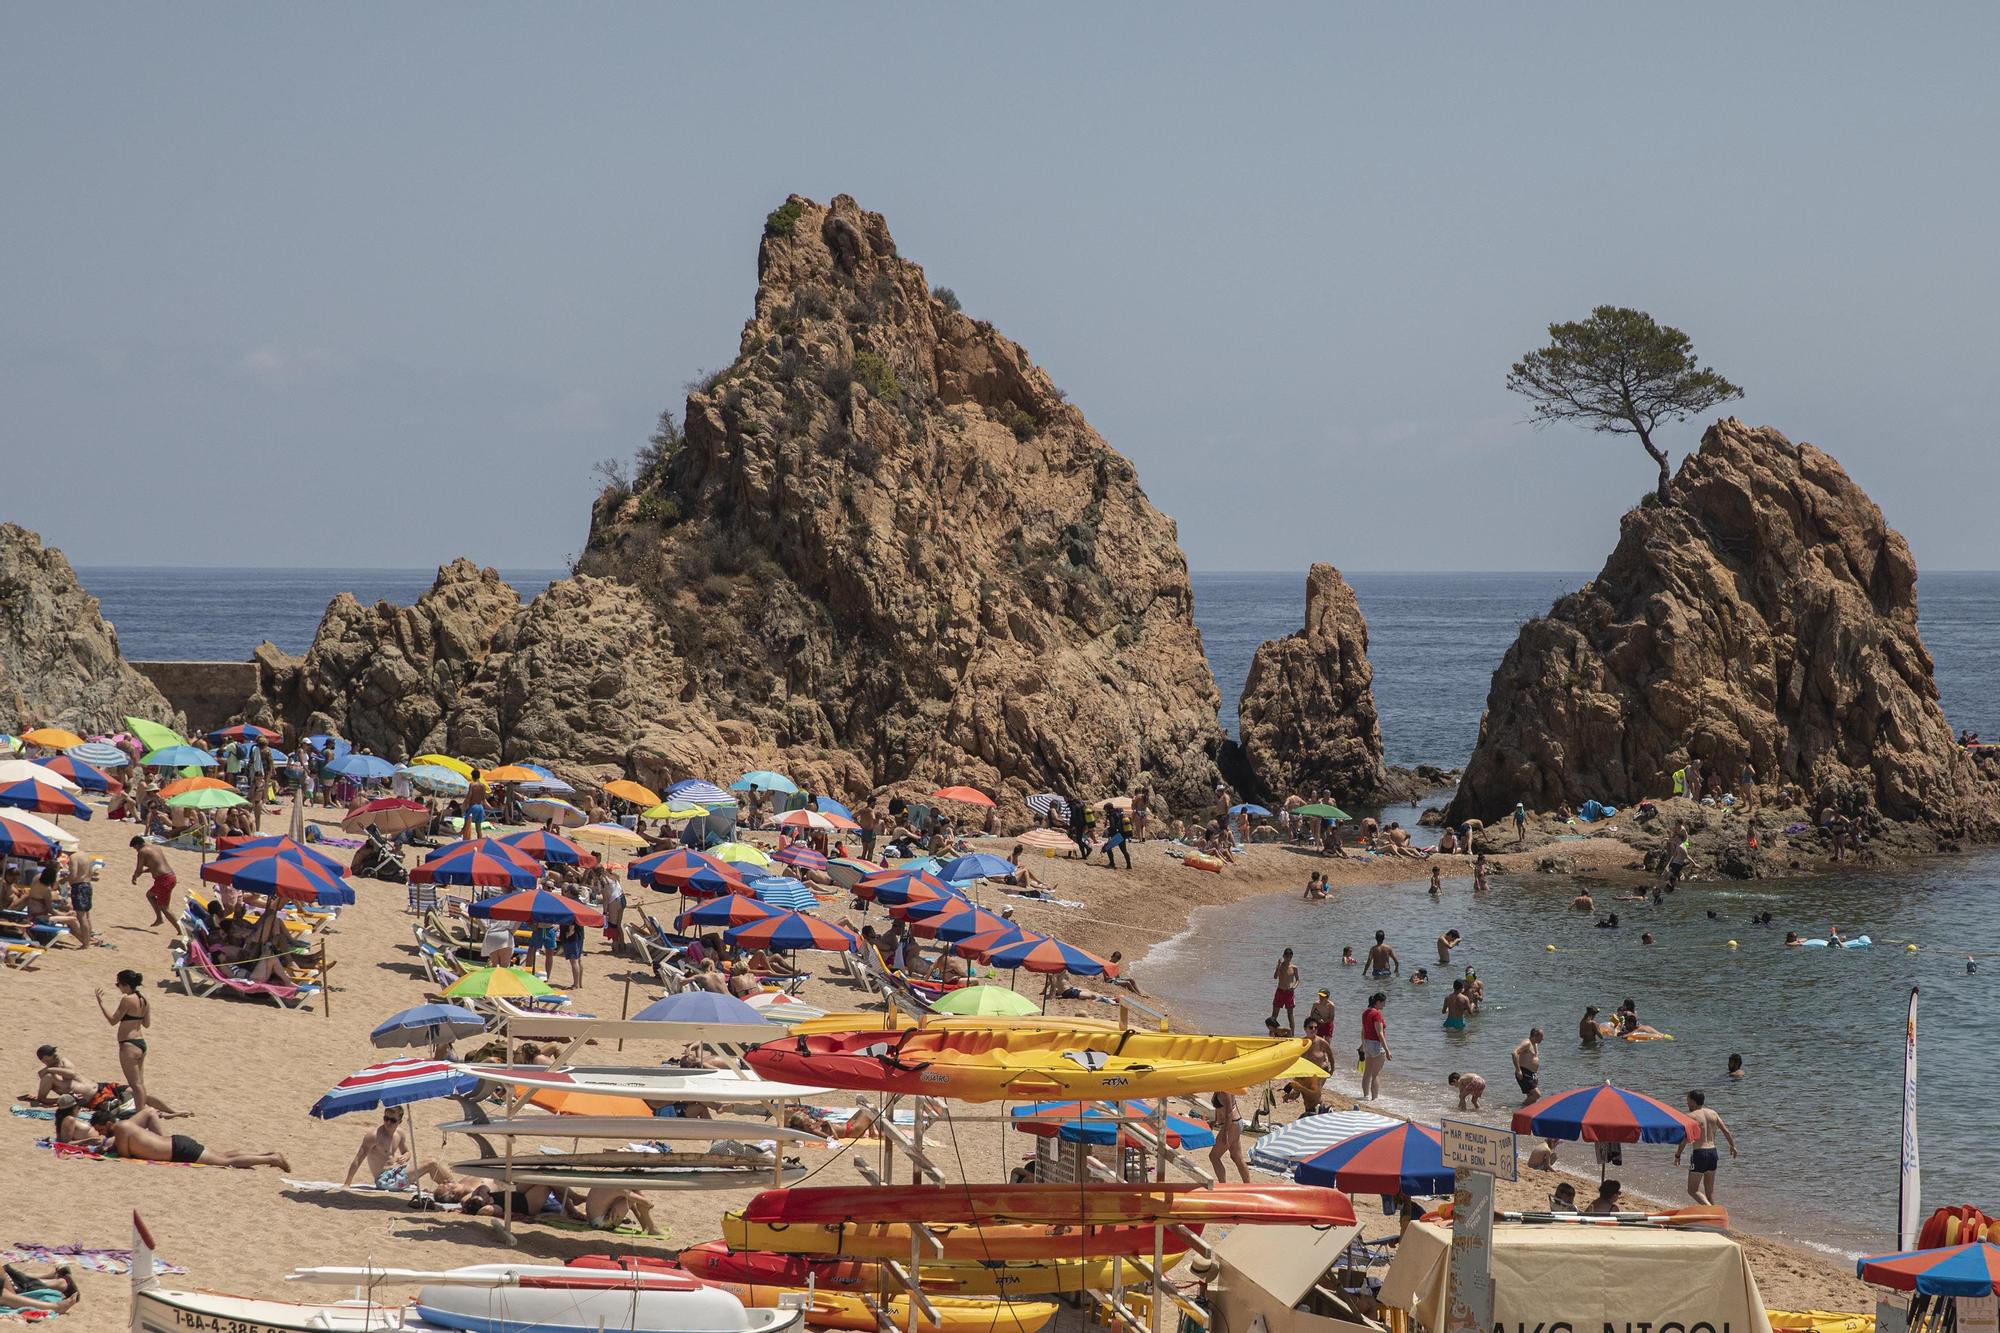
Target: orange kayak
[962,1244]
[1057,1205]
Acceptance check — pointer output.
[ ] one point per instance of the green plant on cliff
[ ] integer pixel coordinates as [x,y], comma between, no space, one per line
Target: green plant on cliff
[781,220]
[1620,373]
[874,372]
[1022,425]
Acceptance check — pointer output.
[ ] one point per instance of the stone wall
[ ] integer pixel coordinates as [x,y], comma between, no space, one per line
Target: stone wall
[210,693]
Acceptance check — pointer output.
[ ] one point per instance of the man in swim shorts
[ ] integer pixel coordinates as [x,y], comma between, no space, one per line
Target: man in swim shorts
[473,823]
[1456,1006]
[1382,959]
[129,1138]
[1285,997]
[1319,1018]
[152,861]
[1701,1167]
[1528,1066]
[385,1151]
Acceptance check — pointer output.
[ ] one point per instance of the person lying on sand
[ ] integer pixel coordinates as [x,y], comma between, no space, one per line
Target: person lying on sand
[54,1293]
[146,1142]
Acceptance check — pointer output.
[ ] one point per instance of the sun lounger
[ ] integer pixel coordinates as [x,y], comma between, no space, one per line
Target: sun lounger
[200,976]
[20,955]
[423,899]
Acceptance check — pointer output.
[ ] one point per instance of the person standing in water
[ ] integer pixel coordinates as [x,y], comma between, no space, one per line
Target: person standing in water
[1456,1006]
[1528,1066]
[1285,997]
[1382,960]
[1374,1046]
[1586,1028]
[1701,1167]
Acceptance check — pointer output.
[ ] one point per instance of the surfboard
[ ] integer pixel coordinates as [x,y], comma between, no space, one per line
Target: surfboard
[671,1128]
[652,1083]
[536,1171]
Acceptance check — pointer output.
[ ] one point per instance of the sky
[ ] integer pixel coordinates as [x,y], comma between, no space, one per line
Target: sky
[376,284]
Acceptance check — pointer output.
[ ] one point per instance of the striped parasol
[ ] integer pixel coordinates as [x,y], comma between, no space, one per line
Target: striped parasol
[1047,840]
[791,930]
[41,797]
[547,848]
[243,731]
[690,872]
[539,907]
[1283,1149]
[720,913]
[800,855]
[19,840]
[960,922]
[279,843]
[1046,803]
[1956,1270]
[295,876]
[1604,1114]
[87,777]
[1046,954]
[780,891]
[100,754]
[482,861]
[896,888]
[392,1083]
[693,791]
[1402,1158]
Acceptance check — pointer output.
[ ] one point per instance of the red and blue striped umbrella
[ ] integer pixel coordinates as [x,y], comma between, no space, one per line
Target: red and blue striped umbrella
[279,843]
[730,909]
[1956,1270]
[1046,954]
[539,907]
[898,888]
[42,798]
[930,909]
[1604,1114]
[800,855]
[696,874]
[482,861]
[22,841]
[244,731]
[791,930]
[392,1083]
[1396,1159]
[545,847]
[976,946]
[961,921]
[83,775]
[281,874]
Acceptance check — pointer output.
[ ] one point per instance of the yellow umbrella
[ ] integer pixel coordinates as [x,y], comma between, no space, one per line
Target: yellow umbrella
[606,835]
[510,773]
[674,810]
[58,739]
[632,791]
[458,766]
[743,853]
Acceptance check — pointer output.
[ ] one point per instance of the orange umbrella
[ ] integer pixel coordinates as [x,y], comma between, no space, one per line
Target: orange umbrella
[588,1103]
[179,785]
[510,773]
[55,738]
[631,791]
[965,795]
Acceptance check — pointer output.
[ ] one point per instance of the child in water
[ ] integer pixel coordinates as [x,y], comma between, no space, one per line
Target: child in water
[1347,958]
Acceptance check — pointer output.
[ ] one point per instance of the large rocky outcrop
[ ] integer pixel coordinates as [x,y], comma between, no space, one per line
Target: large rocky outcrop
[59,659]
[886,552]
[1767,614]
[1307,719]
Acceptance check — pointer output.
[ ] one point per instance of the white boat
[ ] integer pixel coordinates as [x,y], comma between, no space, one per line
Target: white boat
[653,1083]
[483,1298]
[679,1129]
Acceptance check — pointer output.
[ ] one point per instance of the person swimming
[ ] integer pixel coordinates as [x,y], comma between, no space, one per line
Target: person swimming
[1586,1028]
[1347,958]
[1736,1069]
[1608,922]
[1792,940]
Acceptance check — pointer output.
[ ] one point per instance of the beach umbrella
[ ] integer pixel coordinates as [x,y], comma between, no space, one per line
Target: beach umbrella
[608,835]
[974,946]
[362,767]
[538,907]
[18,839]
[930,909]
[1322,811]
[826,805]
[1047,840]
[895,888]
[277,874]
[151,734]
[1310,1135]
[741,853]
[482,861]
[563,1102]
[1403,1158]
[777,1006]
[1604,1114]
[1248,808]
[390,815]
[978,865]
[673,810]
[509,983]
[87,777]
[40,827]
[632,793]
[181,785]
[1047,954]
[805,819]
[791,930]
[1046,803]
[983,1001]
[437,778]
[33,770]
[178,756]
[100,754]
[694,873]
[278,843]
[509,773]
[42,797]
[547,848]
[393,1083]
[963,795]
[548,783]
[340,747]
[780,891]
[800,855]
[243,731]
[550,810]
[206,798]
[52,738]
[1095,1123]
[444,761]
[847,871]
[720,913]
[427,1025]
[693,791]
[1955,1270]
[763,779]
[960,922]
[700,1006]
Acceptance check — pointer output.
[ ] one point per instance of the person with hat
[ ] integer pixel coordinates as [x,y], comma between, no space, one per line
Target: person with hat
[1319,1018]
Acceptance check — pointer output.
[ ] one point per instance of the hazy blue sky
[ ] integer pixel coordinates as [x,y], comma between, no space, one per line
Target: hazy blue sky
[376,284]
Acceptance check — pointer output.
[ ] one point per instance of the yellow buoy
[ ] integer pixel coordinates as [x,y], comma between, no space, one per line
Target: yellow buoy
[1550,947]
[1909,948]
[1732,944]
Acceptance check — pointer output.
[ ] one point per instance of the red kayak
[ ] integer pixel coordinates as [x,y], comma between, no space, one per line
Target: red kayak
[1069,1205]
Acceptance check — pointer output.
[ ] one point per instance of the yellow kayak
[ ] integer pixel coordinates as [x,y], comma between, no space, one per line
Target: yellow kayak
[849,1310]
[1819,1321]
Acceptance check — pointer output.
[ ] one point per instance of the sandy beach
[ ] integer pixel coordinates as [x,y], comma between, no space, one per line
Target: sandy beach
[249,1072]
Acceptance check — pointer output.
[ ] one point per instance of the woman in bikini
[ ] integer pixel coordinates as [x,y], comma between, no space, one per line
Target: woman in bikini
[131,1016]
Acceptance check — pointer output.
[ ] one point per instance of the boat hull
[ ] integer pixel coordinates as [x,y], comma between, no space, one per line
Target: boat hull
[1071,1205]
[962,1244]
[715,1262]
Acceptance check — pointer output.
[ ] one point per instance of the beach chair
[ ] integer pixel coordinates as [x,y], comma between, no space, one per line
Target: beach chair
[423,899]
[200,975]
[20,955]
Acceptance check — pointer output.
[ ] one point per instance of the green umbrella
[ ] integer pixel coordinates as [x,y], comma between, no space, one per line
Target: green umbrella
[206,798]
[152,735]
[988,1000]
[1323,812]
[510,981]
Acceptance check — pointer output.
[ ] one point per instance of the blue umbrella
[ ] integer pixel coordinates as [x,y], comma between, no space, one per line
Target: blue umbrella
[700,1006]
[99,754]
[427,1025]
[340,747]
[362,767]
[438,778]
[693,791]
[784,891]
[538,907]
[978,865]
[178,756]
[85,775]
[763,779]
[1078,1122]
[828,806]
[1248,809]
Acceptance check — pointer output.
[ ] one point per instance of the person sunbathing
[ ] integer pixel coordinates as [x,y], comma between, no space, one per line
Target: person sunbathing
[764,964]
[54,1079]
[55,1293]
[146,1142]
[608,1206]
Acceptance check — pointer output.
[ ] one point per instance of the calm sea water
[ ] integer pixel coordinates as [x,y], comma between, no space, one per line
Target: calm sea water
[1819,1029]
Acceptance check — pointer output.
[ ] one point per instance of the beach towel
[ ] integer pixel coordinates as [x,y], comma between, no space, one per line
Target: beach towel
[114,1262]
[629,1229]
[90,1152]
[32,1112]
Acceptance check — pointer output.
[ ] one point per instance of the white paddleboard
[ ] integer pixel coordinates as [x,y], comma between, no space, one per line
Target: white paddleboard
[653,1083]
[535,1171]
[674,1128]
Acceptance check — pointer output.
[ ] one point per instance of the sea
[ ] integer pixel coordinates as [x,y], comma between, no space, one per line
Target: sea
[1820,1030]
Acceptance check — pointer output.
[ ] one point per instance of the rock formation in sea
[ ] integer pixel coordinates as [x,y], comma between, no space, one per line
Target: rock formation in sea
[887,551]
[1768,615]
[59,660]
[1307,718]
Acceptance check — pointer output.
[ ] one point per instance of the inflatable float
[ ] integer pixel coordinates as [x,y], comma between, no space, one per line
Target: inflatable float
[1654,1034]
[1202,861]
[1858,942]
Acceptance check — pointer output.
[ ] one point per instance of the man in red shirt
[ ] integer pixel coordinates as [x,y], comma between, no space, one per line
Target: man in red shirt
[1374,1046]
